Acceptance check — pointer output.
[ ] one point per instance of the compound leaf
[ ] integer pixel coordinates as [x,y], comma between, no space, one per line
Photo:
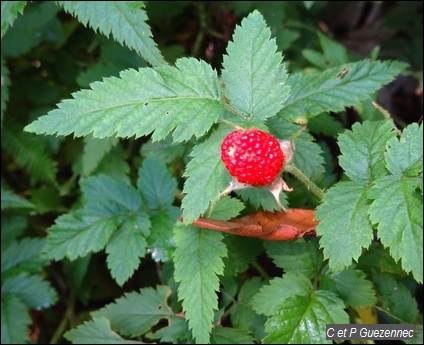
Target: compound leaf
[363,148]
[184,99]
[126,20]
[302,319]
[344,227]
[397,209]
[253,74]
[136,313]
[198,262]
[97,331]
[336,88]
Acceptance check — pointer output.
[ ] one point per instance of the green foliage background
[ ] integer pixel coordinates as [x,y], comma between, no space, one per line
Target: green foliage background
[112,116]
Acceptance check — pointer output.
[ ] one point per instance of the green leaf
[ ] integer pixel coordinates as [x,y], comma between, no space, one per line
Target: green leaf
[156,184]
[363,148]
[160,243]
[396,298]
[299,256]
[242,251]
[31,289]
[336,88]
[302,319]
[206,176]
[351,286]
[127,246]
[227,208]
[198,262]
[38,24]
[272,296]
[253,73]
[135,313]
[262,198]
[76,234]
[405,156]
[9,12]
[12,226]
[344,227]
[418,335]
[165,150]
[24,252]
[30,152]
[227,335]
[94,151]
[5,84]
[397,209]
[308,155]
[97,331]
[325,124]
[334,52]
[115,165]
[242,313]
[110,205]
[177,329]
[14,320]
[11,200]
[126,20]
[378,259]
[184,99]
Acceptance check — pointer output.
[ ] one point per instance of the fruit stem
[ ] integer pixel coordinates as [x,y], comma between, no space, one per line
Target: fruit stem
[290,168]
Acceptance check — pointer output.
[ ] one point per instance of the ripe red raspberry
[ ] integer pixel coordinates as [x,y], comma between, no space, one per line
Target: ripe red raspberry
[252,156]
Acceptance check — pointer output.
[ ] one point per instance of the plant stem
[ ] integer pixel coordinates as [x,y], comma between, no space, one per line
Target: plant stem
[65,320]
[261,270]
[290,168]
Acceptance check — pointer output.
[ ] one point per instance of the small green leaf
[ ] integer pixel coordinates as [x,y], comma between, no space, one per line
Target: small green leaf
[378,259]
[23,252]
[14,320]
[242,313]
[396,297]
[325,124]
[35,292]
[12,226]
[5,84]
[300,256]
[94,151]
[11,200]
[253,74]
[9,12]
[97,331]
[344,227]
[126,20]
[405,156]
[127,246]
[363,148]
[206,176]
[185,99]
[334,52]
[156,185]
[227,335]
[351,286]
[227,208]
[198,262]
[272,296]
[397,209]
[159,242]
[76,234]
[177,329]
[308,155]
[135,313]
[262,198]
[30,152]
[336,88]
[302,319]
[165,150]
[242,251]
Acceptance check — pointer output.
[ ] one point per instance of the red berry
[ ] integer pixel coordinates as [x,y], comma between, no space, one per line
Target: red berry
[252,156]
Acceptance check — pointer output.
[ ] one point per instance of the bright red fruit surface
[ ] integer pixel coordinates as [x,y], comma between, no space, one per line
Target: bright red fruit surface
[252,156]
